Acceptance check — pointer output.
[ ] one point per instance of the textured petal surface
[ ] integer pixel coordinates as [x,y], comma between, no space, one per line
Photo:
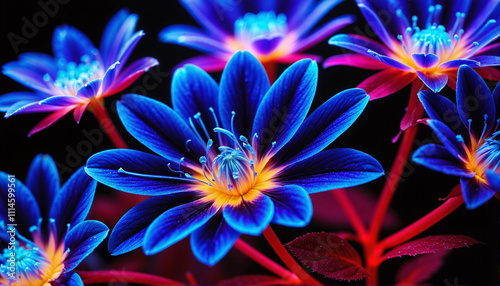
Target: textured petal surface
[81,240]
[292,206]
[251,217]
[175,224]
[130,230]
[440,108]
[332,169]
[475,192]
[43,181]
[213,240]
[435,81]
[438,158]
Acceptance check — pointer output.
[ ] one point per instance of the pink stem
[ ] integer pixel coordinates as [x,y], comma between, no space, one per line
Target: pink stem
[95,277]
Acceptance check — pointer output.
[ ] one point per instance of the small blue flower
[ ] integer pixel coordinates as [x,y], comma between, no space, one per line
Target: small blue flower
[78,73]
[52,236]
[232,158]
[272,30]
[469,133]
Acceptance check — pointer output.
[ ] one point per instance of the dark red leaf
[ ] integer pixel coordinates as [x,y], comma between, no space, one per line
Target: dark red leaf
[420,268]
[329,255]
[328,212]
[431,244]
[253,280]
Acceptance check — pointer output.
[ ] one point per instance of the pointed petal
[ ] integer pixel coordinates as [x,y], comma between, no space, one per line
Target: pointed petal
[61,100]
[244,83]
[391,62]
[81,240]
[194,91]
[23,107]
[90,89]
[474,102]
[128,47]
[25,203]
[49,120]
[129,74]
[175,224]
[192,37]
[314,16]
[129,232]
[434,81]
[118,31]
[323,126]
[78,112]
[485,61]
[358,44]
[438,158]
[9,99]
[26,76]
[250,217]
[386,82]
[70,44]
[475,192]
[441,108]
[448,138]
[376,24]
[156,177]
[72,203]
[285,106]
[425,61]
[159,127]
[354,60]
[213,240]
[43,181]
[109,78]
[332,169]
[292,206]
[456,63]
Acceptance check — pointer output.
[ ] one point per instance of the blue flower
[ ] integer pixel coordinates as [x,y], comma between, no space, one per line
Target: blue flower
[232,158]
[273,31]
[469,133]
[52,236]
[78,75]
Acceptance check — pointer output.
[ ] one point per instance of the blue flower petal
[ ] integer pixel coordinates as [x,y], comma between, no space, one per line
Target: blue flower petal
[207,14]
[243,84]
[475,192]
[26,76]
[109,78]
[448,138]
[358,44]
[129,46]
[117,32]
[376,24]
[175,224]
[441,108]
[9,99]
[332,169]
[128,233]
[251,217]
[43,181]
[69,279]
[474,102]
[159,128]
[435,81]
[391,62]
[485,61]
[70,44]
[195,91]
[425,61]
[456,63]
[314,16]
[81,240]
[39,63]
[90,89]
[438,158]
[25,204]
[285,106]
[143,173]
[211,242]
[496,99]
[323,126]
[72,203]
[493,179]
[292,206]
[192,37]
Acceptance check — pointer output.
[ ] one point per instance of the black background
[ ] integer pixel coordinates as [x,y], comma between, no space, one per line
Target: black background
[417,194]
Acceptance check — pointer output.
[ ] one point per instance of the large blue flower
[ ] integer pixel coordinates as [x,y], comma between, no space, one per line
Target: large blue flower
[232,158]
[272,30]
[48,235]
[79,74]
[474,152]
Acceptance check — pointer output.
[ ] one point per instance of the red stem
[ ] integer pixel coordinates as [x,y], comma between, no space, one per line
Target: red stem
[266,262]
[422,224]
[107,124]
[287,258]
[351,213]
[392,182]
[95,277]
